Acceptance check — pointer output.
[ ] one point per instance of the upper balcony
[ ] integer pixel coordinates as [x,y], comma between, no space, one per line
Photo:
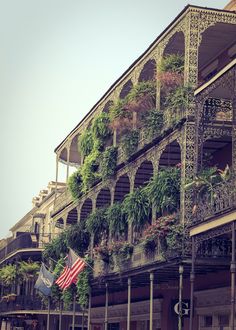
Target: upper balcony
[27,244]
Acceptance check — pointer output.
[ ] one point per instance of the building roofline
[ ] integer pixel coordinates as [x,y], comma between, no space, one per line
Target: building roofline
[183,11]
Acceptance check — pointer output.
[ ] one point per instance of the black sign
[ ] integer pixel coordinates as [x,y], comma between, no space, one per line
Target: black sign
[185,307]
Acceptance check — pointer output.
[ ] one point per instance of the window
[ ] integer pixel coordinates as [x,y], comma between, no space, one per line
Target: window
[207,321]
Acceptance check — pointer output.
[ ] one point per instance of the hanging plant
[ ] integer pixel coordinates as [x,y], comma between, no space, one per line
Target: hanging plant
[172,63]
[129,142]
[163,190]
[103,252]
[8,275]
[170,72]
[141,97]
[152,123]
[86,142]
[56,248]
[78,238]
[108,162]
[117,220]
[120,117]
[167,231]
[89,170]
[100,127]
[28,270]
[178,99]
[97,225]
[75,184]
[137,207]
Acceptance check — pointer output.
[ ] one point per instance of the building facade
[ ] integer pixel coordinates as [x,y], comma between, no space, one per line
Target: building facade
[157,157]
[194,289]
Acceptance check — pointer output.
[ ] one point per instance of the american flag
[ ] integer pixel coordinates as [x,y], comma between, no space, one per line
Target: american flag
[74,266]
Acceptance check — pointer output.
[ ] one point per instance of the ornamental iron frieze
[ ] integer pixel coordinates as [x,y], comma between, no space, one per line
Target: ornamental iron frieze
[213,233]
[216,109]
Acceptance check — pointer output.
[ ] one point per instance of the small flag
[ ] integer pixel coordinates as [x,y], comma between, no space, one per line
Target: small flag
[74,266]
[44,281]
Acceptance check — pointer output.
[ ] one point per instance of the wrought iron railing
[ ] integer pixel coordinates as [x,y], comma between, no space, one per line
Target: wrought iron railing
[29,303]
[215,248]
[221,199]
[62,200]
[23,241]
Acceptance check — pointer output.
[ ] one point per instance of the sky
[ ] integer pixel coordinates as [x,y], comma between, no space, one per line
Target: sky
[57,58]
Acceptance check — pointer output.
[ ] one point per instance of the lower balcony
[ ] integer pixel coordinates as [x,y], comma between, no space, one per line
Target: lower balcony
[12,303]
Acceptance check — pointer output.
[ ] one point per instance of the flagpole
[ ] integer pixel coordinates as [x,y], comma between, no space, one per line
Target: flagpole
[83,319]
[48,316]
[60,313]
[89,310]
[73,319]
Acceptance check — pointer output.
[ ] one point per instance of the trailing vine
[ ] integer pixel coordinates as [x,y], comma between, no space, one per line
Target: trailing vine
[108,162]
[74,183]
[83,284]
[129,142]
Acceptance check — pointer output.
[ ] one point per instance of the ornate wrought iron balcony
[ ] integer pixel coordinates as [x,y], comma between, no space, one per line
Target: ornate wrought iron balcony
[221,200]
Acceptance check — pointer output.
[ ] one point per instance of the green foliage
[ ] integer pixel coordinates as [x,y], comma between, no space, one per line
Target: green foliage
[57,248]
[172,63]
[137,207]
[88,170]
[78,238]
[121,252]
[96,224]
[68,296]
[56,292]
[86,142]
[117,220]
[178,99]
[152,123]
[207,179]
[75,184]
[168,231]
[75,237]
[129,142]
[163,190]
[108,162]
[118,110]
[8,275]
[100,127]
[83,284]
[28,270]
[140,90]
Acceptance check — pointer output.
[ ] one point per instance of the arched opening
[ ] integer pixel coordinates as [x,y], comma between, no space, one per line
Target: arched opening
[175,45]
[126,89]
[148,72]
[86,209]
[59,223]
[72,217]
[122,188]
[213,56]
[74,155]
[171,77]
[143,174]
[171,156]
[103,198]
[107,106]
